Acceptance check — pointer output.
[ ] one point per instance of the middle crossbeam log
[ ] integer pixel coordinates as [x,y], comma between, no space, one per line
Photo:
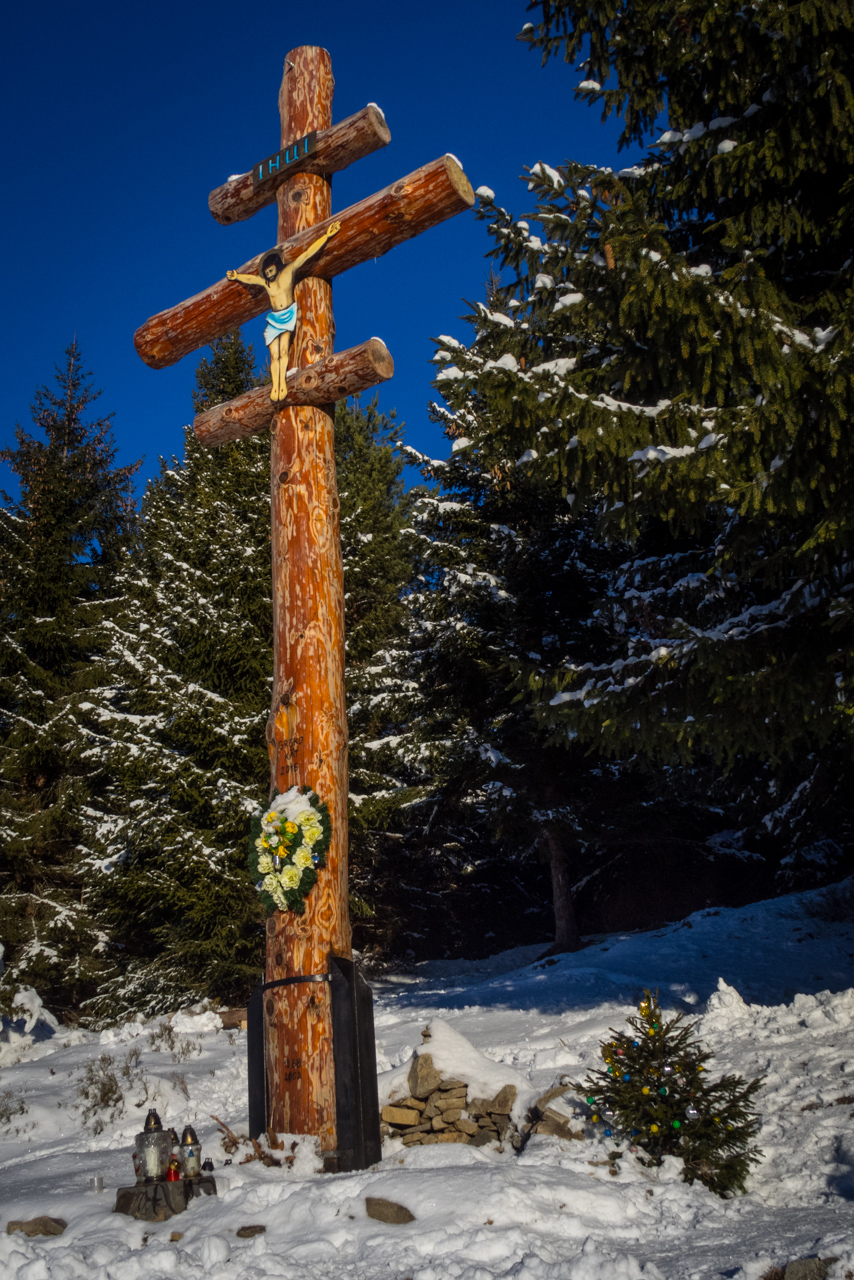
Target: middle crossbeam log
[344,374]
[369,229]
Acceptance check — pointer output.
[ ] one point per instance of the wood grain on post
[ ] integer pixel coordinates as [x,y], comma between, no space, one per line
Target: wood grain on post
[350,140]
[369,229]
[307,729]
[337,376]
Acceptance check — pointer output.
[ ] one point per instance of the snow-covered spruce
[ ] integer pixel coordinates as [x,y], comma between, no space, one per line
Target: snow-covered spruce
[655,1096]
[288,843]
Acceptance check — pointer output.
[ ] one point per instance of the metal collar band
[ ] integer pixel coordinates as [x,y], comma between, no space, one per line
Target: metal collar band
[287,982]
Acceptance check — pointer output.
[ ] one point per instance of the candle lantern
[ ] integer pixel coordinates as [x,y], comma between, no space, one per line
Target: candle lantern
[191,1153]
[153,1147]
[173,1173]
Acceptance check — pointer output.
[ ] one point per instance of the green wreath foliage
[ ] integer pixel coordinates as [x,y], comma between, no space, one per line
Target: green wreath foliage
[288,842]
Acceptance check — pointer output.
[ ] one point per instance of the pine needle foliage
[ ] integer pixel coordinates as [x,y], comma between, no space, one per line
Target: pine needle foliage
[672,347]
[63,543]
[179,724]
[655,1094]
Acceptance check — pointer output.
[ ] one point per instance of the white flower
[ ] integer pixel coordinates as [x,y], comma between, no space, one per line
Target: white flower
[303,859]
[265,864]
[289,877]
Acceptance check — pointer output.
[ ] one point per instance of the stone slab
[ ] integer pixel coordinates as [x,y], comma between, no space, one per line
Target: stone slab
[423,1078]
[450,1101]
[404,1116]
[41,1226]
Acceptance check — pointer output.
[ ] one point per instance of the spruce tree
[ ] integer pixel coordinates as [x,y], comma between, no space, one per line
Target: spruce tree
[655,1094]
[179,723]
[672,349]
[63,543]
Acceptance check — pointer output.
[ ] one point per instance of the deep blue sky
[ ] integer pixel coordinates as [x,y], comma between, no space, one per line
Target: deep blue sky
[121,118]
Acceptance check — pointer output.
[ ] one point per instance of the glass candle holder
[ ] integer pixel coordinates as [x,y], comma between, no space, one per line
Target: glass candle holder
[191,1153]
[155,1151]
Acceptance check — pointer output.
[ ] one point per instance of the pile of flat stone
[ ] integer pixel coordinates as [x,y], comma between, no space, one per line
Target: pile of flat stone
[440,1110]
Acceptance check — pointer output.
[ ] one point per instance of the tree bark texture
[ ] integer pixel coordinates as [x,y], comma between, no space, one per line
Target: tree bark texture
[333,378]
[307,730]
[338,147]
[566,927]
[422,200]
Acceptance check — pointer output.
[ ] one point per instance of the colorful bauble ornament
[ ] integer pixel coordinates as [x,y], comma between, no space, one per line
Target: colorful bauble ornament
[677,1124]
[691,1113]
[590,1101]
[653,1128]
[645,1089]
[288,844]
[664,1091]
[626,1076]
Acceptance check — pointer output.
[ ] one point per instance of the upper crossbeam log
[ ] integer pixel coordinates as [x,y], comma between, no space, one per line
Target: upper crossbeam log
[335,148]
[369,229]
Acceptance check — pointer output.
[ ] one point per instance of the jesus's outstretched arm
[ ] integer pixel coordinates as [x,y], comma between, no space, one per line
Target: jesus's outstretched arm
[234,275]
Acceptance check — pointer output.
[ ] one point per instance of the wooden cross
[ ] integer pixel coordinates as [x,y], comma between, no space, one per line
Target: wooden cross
[307,728]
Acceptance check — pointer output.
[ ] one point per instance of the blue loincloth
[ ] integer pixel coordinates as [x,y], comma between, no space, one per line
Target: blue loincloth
[279,322]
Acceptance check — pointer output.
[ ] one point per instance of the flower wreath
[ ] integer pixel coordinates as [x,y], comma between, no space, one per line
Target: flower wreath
[288,842]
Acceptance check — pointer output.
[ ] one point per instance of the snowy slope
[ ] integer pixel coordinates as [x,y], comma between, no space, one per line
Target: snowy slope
[773,995]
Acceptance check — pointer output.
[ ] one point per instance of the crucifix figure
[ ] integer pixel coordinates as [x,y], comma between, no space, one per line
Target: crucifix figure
[277,277]
[318,1036]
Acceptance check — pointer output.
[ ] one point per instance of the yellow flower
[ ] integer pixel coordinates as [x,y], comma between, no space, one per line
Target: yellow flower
[291,828]
[259,843]
[289,877]
[308,818]
[265,864]
[272,816]
[302,858]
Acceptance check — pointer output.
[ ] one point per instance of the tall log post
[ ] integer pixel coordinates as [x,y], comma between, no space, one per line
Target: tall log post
[307,730]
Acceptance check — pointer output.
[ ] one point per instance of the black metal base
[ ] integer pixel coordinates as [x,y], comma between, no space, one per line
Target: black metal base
[354,1048]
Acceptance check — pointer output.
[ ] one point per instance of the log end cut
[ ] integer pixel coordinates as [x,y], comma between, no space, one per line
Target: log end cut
[459,180]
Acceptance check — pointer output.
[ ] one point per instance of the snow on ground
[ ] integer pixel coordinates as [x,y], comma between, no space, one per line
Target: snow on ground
[773,993]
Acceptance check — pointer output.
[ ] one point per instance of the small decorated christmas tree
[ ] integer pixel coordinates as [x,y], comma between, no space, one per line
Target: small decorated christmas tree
[655,1095]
